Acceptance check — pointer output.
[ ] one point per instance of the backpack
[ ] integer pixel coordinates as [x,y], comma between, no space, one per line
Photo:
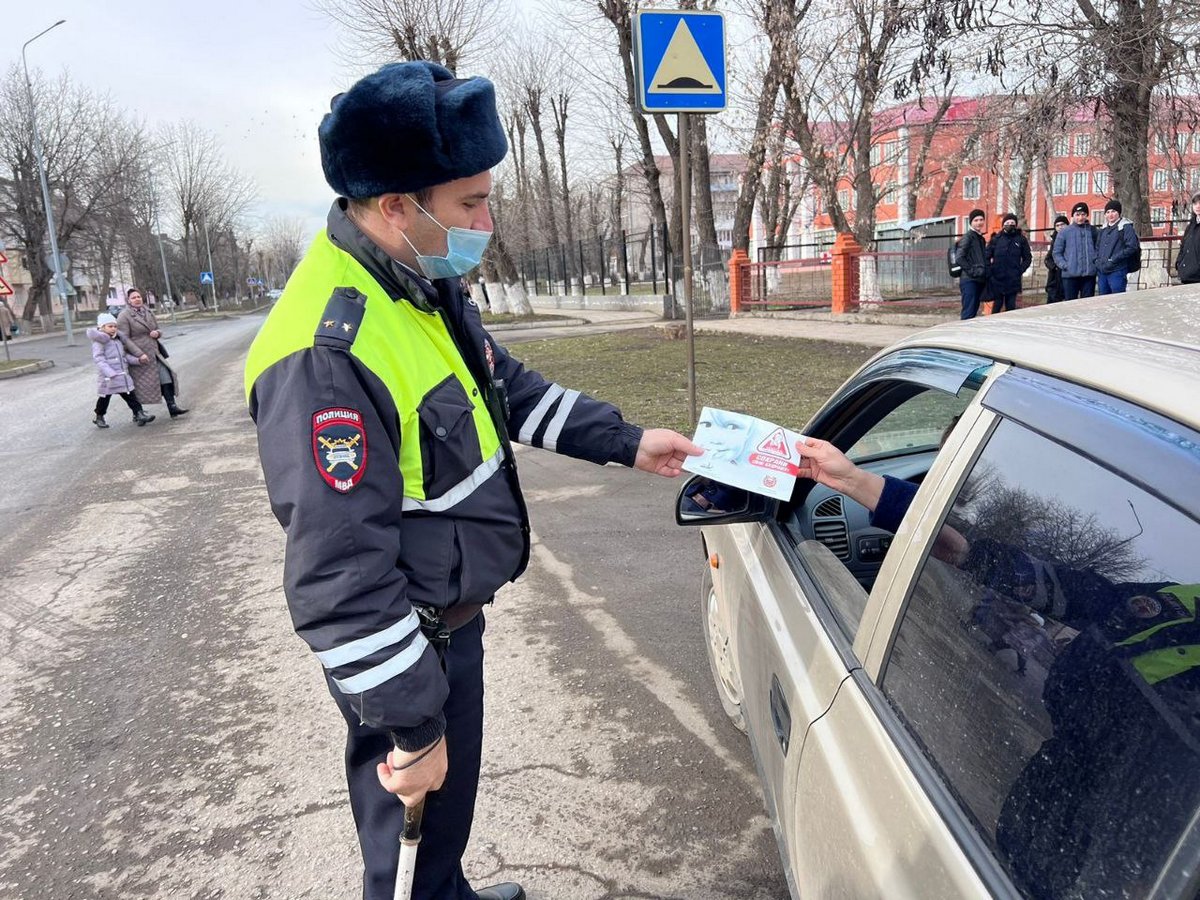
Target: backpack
[952,264]
[1135,264]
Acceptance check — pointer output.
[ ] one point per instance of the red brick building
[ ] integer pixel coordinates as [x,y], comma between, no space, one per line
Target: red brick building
[968,162]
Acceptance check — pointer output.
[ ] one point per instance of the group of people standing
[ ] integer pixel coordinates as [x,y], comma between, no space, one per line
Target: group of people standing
[131,362]
[991,269]
[1084,260]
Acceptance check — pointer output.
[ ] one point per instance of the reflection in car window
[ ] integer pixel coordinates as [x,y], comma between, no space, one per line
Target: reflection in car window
[1052,675]
[918,423]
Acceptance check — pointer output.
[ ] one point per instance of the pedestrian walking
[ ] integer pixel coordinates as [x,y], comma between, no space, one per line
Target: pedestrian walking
[1118,251]
[971,254]
[384,414]
[1054,285]
[1008,257]
[1187,263]
[7,320]
[113,355]
[153,384]
[1075,254]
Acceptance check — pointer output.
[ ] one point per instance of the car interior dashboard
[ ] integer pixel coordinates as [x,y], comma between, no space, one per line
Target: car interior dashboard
[843,525]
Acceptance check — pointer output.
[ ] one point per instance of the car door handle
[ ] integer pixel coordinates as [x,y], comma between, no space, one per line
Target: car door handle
[781,716]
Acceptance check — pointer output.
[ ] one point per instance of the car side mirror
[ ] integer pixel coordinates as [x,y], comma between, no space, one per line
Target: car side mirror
[703,501]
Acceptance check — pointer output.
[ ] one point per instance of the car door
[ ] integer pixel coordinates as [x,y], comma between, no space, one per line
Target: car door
[1025,722]
[791,605]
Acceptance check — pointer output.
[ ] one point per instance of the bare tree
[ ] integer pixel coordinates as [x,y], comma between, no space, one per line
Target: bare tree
[205,194]
[90,150]
[281,247]
[441,31]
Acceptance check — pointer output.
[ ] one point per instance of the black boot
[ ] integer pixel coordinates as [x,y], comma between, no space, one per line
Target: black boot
[99,421]
[168,392]
[141,418]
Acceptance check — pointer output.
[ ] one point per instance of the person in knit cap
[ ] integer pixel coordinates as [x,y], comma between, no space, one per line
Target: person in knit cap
[1008,257]
[385,415]
[1075,254]
[113,354]
[971,254]
[1187,263]
[1054,285]
[1118,251]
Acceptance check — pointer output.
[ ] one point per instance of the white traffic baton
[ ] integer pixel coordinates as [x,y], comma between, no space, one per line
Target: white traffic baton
[410,839]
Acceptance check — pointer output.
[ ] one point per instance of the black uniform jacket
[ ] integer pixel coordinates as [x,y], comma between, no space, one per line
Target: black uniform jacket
[355,560]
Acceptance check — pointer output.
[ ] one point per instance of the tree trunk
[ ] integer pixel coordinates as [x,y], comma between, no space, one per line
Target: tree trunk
[1128,132]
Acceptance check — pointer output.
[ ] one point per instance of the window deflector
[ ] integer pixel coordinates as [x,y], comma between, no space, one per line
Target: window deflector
[944,370]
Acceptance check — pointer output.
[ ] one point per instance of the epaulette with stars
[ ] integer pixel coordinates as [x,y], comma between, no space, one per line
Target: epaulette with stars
[342,317]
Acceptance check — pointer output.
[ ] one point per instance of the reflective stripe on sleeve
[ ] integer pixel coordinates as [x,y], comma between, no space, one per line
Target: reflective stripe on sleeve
[373,677]
[550,441]
[460,491]
[365,646]
[534,419]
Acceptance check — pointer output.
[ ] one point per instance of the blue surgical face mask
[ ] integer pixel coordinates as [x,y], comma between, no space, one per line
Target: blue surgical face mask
[464,250]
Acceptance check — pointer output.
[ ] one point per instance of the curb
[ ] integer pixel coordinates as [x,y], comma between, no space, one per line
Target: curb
[28,369]
[522,326]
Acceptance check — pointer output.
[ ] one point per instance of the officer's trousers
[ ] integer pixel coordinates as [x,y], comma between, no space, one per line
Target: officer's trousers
[379,816]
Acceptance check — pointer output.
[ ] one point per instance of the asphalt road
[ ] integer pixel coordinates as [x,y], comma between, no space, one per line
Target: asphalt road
[164,734]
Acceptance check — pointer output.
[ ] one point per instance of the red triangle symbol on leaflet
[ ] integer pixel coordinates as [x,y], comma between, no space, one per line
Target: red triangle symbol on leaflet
[775,444]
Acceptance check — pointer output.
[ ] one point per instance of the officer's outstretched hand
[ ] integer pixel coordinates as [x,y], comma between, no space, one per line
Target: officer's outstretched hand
[662,452]
[410,776]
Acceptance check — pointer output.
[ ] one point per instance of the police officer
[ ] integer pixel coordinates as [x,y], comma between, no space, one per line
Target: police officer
[385,413]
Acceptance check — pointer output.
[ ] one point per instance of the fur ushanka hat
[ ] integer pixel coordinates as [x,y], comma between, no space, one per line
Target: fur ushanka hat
[407,127]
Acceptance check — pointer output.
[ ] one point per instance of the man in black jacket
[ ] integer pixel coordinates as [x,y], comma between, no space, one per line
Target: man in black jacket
[1008,257]
[972,256]
[1187,263]
[1117,250]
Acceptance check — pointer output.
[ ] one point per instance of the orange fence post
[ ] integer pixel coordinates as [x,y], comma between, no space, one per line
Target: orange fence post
[846,252]
[739,280]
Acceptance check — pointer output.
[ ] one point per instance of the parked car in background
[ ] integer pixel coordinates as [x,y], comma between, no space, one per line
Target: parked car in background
[1021,718]
[274,294]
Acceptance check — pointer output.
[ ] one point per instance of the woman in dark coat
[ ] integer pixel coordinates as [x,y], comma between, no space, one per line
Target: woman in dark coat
[1187,263]
[151,383]
[1009,256]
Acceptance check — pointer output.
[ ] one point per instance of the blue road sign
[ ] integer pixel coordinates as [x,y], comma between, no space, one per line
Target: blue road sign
[206,278]
[680,58]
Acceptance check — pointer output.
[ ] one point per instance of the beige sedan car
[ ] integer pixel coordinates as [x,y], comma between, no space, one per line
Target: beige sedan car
[1018,715]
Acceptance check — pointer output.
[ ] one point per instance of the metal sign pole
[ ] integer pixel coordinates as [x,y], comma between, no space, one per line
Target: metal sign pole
[685,246]
[211,270]
[163,256]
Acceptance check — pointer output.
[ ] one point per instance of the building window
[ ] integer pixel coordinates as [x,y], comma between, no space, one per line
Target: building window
[1080,186]
[1182,142]
[1195,180]
[1097,217]
[1100,182]
[1062,146]
[1060,184]
[891,152]
[1083,145]
[1196,141]
[876,154]
[843,200]
[1160,179]
[889,192]
[1158,215]
[971,187]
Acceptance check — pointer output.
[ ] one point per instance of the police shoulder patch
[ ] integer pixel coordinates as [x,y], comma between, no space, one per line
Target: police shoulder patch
[339,444]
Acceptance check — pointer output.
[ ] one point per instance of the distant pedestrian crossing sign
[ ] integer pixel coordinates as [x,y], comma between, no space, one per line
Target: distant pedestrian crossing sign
[206,278]
[680,57]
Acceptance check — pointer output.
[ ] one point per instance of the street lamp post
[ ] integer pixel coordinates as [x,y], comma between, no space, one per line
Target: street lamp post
[59,278]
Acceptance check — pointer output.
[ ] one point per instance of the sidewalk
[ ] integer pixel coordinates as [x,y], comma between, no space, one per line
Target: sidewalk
[869,334]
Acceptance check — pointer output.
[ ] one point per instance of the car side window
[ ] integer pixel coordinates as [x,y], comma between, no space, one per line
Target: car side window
[1048,665]
[898,433]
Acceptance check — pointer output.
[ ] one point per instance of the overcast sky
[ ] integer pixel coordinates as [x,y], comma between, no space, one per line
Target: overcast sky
[257,73]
